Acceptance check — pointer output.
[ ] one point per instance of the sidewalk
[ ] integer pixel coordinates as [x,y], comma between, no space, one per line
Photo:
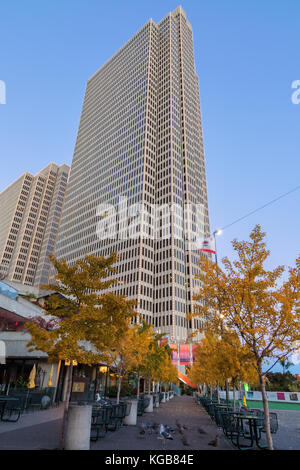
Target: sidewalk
[33,431]
[31,419]
[41,430]
[186,411]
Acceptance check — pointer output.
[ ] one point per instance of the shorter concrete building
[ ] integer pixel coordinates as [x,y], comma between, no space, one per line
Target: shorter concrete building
[18,361]
[31,210]
[18,305]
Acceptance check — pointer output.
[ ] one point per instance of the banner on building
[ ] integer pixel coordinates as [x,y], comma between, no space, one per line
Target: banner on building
[163,342]
[184,354]
[173,348]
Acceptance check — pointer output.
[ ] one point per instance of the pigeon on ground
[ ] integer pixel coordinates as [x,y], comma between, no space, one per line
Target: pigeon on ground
[184,441]
[161,429]
[155,427]
[163,432]
[142,428]
[214,442]
[180,427]
[201,431]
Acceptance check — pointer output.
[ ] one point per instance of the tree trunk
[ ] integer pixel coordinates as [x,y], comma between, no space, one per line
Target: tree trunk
[266,410]
[218,392]
[119,389]
[66,407]
[227,389]
[138,387]
[233,396]
[211,392]
[96,380]
[149,385]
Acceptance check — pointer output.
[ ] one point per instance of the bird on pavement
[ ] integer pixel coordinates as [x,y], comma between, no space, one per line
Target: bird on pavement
[142,428]
[214,442]
[184,441]
[180,427]
[201,431]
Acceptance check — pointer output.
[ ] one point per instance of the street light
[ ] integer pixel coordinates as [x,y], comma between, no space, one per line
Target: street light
[219,232]
[216,232]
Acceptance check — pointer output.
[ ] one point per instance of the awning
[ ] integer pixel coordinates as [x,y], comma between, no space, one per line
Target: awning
[186,380]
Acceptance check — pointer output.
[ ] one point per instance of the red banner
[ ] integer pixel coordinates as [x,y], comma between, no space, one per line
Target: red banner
[173,347]
[163,341]
[184,354]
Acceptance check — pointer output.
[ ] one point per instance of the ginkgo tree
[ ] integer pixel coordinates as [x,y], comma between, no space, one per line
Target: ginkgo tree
[222,357]
[166,372]
[157,363]
[127,355]
[203,370]
[89,322]
[261,307]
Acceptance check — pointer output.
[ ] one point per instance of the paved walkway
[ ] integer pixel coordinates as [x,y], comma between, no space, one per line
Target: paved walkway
[33,431]
[288,434]
[41,430]
[186,411]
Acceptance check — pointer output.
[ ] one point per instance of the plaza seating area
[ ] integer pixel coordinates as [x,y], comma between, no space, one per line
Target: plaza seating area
[243,426]
[17,402]
[107,415]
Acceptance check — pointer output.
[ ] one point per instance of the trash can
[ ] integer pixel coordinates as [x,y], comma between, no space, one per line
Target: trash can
[78,428]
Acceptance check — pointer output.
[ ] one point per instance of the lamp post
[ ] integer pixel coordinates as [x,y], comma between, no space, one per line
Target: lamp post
[219,232]
[216,232]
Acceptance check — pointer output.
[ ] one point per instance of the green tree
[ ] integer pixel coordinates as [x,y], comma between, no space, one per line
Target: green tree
[285,364]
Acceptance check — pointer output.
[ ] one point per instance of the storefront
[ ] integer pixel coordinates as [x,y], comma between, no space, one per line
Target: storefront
[87,381]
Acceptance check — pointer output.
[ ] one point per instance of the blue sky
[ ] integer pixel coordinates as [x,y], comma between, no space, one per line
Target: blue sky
[247,56]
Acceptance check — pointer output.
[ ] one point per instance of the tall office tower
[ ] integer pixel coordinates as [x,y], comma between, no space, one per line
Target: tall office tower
[30,211]
[140,142]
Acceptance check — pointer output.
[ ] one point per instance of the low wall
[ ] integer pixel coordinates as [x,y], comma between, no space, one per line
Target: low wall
[280,397]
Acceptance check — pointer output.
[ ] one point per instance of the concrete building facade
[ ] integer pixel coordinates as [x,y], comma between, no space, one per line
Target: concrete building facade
[30,215]
[139,146]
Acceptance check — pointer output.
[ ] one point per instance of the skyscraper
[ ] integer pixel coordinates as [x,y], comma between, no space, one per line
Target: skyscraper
[30,215]
[139,144]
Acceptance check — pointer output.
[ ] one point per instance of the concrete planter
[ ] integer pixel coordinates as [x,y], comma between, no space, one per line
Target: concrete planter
[78,428]
[157,400]
[149,408]
[131,419]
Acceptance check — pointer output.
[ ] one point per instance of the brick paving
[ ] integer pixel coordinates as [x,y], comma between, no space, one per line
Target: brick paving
[186,411]
[41,430]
